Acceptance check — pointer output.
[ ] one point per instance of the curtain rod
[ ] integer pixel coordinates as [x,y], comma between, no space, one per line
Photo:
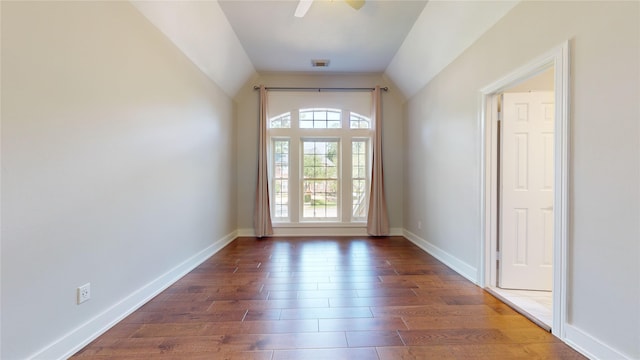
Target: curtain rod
[319,89]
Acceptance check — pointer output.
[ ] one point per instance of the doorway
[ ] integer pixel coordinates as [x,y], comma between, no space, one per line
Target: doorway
[525,197]
[524,181]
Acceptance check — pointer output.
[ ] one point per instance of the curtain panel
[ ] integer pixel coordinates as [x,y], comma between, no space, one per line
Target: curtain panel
[377,218]
[262,216]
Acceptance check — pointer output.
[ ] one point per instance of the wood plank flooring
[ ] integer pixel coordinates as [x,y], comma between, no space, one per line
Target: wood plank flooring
[325,298]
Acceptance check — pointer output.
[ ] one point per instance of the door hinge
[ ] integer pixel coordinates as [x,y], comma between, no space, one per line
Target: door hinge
[498,256]
[499,116]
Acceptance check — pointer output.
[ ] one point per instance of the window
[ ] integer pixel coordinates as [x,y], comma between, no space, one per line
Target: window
[319,166]
[281,121]
[359,178]
[281,178]
[320,119]
[359,122]
[320,179]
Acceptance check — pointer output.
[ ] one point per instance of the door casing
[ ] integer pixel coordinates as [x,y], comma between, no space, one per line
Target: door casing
[558,58]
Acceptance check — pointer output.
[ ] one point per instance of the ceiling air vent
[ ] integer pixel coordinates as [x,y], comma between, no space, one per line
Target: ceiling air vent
[320,63]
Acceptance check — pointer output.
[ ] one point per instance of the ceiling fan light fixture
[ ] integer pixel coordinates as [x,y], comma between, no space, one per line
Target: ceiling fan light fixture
[303,7]
[356,4]
[320,63]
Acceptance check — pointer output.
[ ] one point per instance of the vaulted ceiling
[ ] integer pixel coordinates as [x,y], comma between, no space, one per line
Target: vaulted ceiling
[408,40]
[363,40]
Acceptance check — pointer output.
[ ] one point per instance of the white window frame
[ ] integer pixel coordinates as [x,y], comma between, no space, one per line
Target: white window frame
[272,171]
[301,180]
[367,178]
[295,135]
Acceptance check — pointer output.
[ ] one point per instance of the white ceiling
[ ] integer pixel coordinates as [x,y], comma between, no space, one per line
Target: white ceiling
[201,31]
[231,40]
[363,40]
[442,32]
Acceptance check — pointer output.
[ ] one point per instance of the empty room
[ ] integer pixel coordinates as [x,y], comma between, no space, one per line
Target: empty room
[320,179]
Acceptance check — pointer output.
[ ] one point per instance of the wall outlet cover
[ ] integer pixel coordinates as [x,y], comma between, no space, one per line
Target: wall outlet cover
[84,293]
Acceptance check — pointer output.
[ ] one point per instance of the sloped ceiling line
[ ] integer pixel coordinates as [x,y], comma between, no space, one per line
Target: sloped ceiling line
[202,32]
[443,31]
[408,41]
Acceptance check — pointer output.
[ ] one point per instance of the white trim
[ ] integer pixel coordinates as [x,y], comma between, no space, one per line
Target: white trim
[312,230]
[297,136]
[457,265]
[561,226]
[589,346]
[247,232]
[559,59]
[319,230]
[75,340]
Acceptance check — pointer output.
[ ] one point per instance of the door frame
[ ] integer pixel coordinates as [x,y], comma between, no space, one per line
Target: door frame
[558,58]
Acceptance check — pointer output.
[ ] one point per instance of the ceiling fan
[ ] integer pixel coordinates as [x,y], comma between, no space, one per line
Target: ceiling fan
[304,5]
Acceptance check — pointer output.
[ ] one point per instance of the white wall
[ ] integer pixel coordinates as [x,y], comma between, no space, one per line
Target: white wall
[117,164]
[247,117]
[442,153]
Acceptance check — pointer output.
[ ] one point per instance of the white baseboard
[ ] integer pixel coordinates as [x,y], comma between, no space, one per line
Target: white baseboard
[89,331]
[246,232]
[459,266]
[589,346]
[582,342]
[84,334]
[318,230]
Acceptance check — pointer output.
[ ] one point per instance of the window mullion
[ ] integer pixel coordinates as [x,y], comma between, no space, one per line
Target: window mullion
[346,179]
[346,122]
[295,173]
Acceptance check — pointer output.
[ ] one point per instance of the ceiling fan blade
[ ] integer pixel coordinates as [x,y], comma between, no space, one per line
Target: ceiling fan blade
[303,7]
[356,4]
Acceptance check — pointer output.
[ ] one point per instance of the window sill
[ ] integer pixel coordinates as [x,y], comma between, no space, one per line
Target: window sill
[320,228]
[360,224]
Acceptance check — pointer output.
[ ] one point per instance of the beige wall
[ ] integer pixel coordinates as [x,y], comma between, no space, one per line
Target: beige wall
[120,159]
[442,147]
[247,115]
[117,163]
[541,82]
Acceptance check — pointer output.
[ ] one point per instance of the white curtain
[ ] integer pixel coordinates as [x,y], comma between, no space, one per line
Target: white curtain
[377,218]
[262,216]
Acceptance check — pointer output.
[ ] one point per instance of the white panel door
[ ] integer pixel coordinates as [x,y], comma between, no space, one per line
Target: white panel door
[526,198]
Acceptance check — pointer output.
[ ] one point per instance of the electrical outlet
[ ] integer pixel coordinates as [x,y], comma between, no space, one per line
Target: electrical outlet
[84,293]
[419,225]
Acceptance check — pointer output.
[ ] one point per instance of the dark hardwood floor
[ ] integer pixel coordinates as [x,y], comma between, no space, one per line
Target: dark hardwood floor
[325,298]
